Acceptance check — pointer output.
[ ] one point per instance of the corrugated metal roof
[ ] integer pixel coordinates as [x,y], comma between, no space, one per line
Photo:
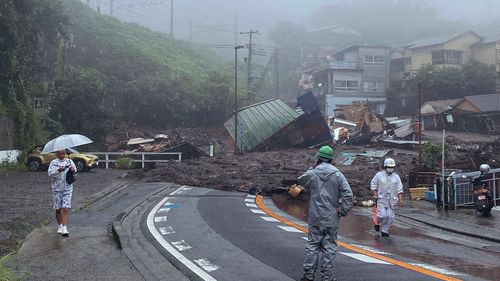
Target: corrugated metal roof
[260,121]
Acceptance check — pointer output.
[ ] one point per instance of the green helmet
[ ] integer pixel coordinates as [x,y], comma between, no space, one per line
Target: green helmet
[325,152]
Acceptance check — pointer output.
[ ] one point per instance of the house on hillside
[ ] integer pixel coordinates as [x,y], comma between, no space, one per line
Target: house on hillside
[488,51]
[356,73]
[451,50]
[479,113]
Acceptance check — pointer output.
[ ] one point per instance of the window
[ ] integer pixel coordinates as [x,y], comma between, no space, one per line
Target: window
[373,86]
[38,103]
[397,65]
[446,57]
[374,60]
[346,85]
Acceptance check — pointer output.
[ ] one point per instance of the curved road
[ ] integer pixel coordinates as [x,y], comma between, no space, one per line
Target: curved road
[217,235]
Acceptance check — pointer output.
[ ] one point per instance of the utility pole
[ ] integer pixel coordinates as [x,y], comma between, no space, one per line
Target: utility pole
[111,7]
[236,29]
[419,123]
[249,60]
[276,74]
[236,48]
[172,18]
[190,31]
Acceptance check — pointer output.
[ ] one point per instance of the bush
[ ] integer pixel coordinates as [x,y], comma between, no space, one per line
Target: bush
[10,167]
[125,163]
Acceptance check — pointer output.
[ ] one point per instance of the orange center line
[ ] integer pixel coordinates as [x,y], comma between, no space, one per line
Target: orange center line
[259,200]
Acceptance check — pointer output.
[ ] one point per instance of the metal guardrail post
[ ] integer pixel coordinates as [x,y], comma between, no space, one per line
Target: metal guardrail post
[455,192]
[107,161]
[143,158]
[494,190]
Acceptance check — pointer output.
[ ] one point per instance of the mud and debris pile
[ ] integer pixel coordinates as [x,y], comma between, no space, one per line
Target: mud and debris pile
[269,172]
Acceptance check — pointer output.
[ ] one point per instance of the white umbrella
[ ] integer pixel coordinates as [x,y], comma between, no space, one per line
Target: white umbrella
[65,141]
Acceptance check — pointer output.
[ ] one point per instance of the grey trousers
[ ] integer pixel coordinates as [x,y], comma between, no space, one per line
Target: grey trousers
[320,240]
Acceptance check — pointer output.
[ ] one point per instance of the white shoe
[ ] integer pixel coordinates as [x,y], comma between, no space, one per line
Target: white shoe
[65,232]
[59,229]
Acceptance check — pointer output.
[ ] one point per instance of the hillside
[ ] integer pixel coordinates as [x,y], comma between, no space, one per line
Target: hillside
[110,73]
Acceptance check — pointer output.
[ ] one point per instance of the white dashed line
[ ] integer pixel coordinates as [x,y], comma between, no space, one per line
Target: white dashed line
[186,188]
[181,258]
[161,219]
[206,265]
[251,196]
[163,210]
[364,258]
[181,245]
[271,219]
[251,205]
[305,238]
[249,200]
[167,230]
[256,211]
[289,229]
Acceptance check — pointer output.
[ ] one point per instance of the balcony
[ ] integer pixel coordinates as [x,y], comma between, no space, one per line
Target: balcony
[344,65]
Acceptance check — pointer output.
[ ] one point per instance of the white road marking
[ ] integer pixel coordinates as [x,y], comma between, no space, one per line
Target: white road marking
[189,264]
[182,245]
[437,269]
[251,196]
[163,210]
[256,211]
[269,219]
[207,265]
[370,249]
[186,188]
[167,230]
[289,229]
[251,205]
[364,258]
[161,219]
[305,238]
[249,200]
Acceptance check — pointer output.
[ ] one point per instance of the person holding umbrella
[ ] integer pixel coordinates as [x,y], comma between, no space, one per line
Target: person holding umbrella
[62,171]
[62,190]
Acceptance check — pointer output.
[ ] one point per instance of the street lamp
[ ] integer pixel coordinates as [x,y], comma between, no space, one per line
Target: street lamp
[236,98]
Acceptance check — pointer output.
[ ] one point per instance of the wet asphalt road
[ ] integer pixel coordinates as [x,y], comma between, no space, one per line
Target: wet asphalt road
[226,240]
[90,252]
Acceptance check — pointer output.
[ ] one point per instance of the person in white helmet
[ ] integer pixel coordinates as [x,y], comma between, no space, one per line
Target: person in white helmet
[388,193]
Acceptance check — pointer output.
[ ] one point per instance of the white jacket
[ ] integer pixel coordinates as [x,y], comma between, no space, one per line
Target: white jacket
[59,178]
[388,187]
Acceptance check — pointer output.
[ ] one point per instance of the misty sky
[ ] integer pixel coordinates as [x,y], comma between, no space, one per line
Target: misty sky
[261,15]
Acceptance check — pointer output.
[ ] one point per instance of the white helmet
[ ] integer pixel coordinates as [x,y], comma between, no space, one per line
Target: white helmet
[484,168]
[389,162]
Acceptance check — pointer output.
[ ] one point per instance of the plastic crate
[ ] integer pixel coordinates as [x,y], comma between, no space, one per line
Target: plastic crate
[429,196]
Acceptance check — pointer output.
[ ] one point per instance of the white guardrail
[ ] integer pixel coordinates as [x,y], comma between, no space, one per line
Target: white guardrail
[137,157]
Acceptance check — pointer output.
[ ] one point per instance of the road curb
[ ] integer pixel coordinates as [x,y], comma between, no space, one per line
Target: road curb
[454,230]
[123,240]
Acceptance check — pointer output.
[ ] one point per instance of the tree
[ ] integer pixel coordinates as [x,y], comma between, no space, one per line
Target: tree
[24,26]
[441,83]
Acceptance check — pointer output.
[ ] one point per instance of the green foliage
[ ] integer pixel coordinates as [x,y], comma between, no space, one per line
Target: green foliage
[24,24]
[9,167]
[120,72]
[432,154]
[440,83]
[5,273]
[126,163]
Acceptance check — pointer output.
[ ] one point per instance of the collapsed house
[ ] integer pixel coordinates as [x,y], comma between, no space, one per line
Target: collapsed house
[271,125]
[479,114]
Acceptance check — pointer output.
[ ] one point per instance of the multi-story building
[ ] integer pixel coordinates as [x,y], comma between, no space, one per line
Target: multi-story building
[356,73]
[488,51]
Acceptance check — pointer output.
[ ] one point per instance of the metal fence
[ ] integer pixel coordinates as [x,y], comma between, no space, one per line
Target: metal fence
[138,157]
[460,192]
